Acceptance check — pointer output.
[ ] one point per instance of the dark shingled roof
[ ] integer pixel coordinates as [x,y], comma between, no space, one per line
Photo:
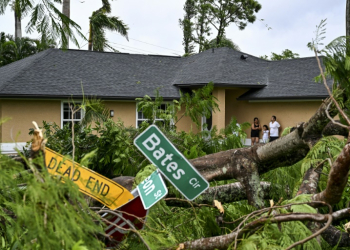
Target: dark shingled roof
[58,74]
[223,66]
[290,79]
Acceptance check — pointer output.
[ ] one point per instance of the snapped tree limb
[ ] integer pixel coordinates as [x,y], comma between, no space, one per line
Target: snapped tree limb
[246,164]
[337,178]
[222,242]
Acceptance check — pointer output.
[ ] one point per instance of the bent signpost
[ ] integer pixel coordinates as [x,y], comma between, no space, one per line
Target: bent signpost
[129,212]
[152,189]
[174,166]
[89,182]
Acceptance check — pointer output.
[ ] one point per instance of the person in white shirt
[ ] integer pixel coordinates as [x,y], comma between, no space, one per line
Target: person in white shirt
[274,129]
[266,134]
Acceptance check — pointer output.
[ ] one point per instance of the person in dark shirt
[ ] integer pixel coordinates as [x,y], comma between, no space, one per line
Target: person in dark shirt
[255,129]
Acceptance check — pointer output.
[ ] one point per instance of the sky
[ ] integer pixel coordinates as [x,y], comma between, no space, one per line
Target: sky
[154,25]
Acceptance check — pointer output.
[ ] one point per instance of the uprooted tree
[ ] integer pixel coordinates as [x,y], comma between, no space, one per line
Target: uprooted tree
[246,165]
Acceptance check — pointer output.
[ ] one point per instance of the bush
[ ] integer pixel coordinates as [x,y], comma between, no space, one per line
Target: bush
[38,211]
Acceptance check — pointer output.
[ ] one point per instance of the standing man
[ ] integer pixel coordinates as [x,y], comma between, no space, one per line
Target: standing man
[274,129]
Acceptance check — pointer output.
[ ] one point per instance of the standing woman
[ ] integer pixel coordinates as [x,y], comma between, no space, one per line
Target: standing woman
[254,134]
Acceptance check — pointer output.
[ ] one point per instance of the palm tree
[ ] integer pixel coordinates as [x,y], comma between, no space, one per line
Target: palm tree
[13,49]
[347,18]
[44,43]
[99,21]
[45,18]
[20,8]
[66,12]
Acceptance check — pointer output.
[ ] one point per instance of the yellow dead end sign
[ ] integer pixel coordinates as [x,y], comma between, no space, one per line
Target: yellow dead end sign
[89,182]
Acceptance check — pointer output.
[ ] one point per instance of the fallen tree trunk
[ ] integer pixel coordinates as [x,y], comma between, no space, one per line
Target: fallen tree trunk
[310,182]
[223,241]
[246,164]
[337,178]
[335,129]
[223,193]
[335,237]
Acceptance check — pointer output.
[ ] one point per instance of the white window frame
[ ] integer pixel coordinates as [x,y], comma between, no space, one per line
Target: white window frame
[143,119]
[204,120]
[69,120]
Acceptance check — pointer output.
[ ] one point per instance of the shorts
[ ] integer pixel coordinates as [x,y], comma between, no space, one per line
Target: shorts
[272,138]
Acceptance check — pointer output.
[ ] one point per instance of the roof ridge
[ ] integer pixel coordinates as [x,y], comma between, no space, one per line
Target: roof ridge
[120,53]
[299,58]
[44,53]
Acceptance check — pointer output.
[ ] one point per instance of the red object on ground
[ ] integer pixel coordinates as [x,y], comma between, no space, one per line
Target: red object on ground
[133,207]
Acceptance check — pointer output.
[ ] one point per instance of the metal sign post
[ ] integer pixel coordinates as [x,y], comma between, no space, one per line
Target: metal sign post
[173,165]
[152,189]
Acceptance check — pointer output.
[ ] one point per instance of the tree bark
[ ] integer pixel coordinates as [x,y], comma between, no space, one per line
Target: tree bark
[335,237]
[223,241]
[337,178]
[224,193]
[125,181]
[334,129]
[347,18]
[341,214]
[90,37]
[246,164]
[310,182]
[66,12]
[18,26]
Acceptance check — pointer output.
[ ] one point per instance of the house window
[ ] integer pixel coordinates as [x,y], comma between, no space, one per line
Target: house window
[207,123]
[66,113]
[140,117]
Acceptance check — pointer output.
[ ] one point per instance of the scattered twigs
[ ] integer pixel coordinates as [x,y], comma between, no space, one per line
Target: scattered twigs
[332,120]
[132,227]
[337,179]
[329,91]
[223,241]
[329,222]
[193,204]
[285,217]
[320,165]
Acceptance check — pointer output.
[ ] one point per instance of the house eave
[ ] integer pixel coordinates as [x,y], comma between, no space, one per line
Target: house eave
[119,98]
[281,98]
[260,86]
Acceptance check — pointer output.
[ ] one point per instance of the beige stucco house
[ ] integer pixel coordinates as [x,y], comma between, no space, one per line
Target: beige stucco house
[37,88]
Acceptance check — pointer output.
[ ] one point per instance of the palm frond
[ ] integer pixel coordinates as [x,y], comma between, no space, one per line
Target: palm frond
[94,110]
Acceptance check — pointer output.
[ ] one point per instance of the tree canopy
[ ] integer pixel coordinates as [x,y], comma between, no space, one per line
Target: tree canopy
[286,54]
[204,18]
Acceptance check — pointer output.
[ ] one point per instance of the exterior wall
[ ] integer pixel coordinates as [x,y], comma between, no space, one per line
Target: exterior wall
[125,111]
[22,113]
[185,123]
[219,118]
[288,113]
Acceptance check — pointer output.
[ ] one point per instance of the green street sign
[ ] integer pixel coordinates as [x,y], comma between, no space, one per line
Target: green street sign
[173,165]
[152,189]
